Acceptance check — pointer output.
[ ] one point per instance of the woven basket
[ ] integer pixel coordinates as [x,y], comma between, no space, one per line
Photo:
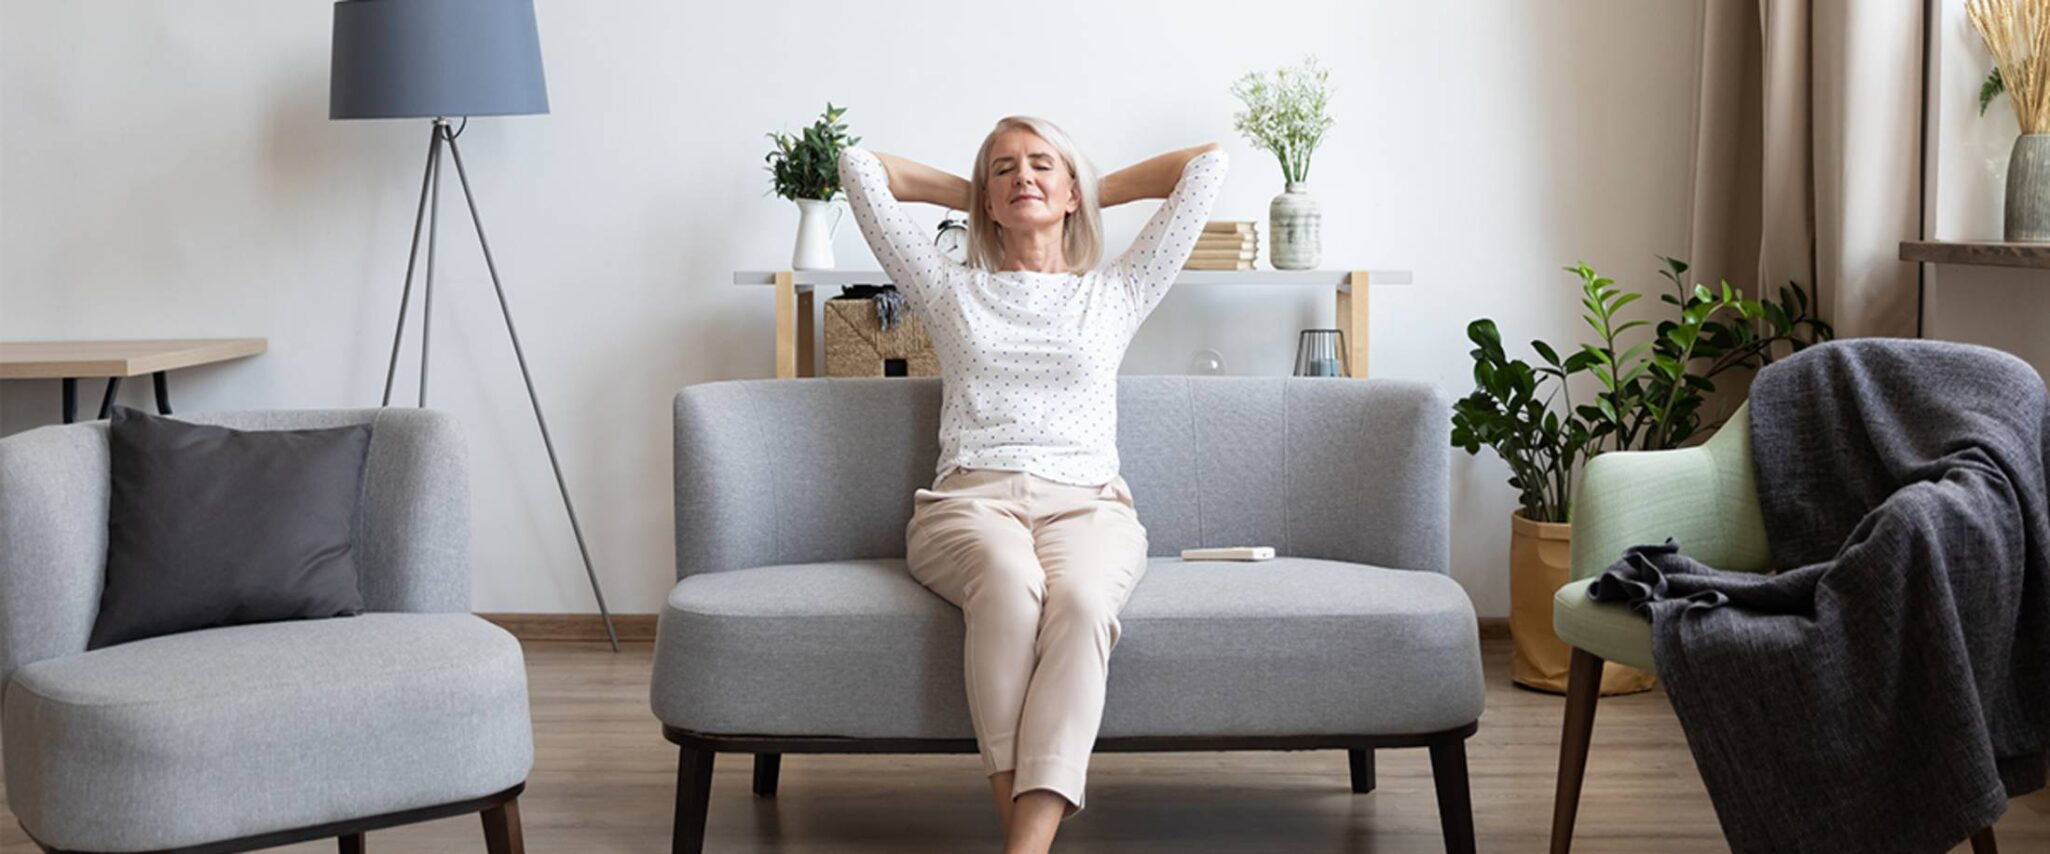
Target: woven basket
[857,346]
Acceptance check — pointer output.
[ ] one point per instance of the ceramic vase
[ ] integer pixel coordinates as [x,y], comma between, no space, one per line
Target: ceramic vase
[1294,225]
[817,222]
[2027,217]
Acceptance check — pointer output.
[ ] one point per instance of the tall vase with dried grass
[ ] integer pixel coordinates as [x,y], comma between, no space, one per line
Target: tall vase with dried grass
[2017,33]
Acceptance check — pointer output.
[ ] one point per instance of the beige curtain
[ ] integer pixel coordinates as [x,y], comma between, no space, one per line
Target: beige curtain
[1807,154]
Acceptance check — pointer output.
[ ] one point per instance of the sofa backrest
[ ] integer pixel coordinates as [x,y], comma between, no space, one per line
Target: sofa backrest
[412,545]
[806,470]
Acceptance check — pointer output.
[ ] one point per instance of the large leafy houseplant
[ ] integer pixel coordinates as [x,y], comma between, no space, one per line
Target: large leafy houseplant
[1641,396]
[807,166]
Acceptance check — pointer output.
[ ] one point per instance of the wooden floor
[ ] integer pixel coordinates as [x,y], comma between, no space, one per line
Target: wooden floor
[604,781]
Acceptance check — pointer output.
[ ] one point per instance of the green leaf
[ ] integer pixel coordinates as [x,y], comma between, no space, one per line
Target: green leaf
[1483,332]
[1777,317]
[1991,89]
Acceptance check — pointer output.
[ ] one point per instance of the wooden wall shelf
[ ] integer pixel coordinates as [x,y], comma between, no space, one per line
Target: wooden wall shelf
[795,335]
[2031,256]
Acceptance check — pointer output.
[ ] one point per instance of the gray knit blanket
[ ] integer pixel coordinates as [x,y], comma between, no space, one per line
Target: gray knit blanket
[1887,688]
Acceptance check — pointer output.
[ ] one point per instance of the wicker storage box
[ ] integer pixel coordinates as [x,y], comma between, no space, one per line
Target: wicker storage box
[857,345]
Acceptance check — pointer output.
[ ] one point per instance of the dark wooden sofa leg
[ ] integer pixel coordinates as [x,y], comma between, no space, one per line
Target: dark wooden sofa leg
[1455,800]
[502,829]
[1982,842]
[1583,689]
[767,767]
[693,796]
[350,843]
[1361,761]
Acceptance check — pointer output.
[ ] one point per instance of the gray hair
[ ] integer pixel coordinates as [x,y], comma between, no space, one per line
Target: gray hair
[1081,231]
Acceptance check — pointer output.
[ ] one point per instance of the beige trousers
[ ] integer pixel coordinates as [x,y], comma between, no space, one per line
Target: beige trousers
[1040,570]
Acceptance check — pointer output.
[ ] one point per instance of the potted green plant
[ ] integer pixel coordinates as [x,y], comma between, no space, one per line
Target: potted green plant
[1638,396]
[806,169]
[1287,113]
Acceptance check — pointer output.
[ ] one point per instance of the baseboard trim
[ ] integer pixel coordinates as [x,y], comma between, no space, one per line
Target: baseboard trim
[640,628]
[632,628]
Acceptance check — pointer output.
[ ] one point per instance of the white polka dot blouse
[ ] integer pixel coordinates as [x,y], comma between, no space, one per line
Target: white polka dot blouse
[1029,361]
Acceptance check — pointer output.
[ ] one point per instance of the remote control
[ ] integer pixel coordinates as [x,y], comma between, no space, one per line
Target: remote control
[1231,553]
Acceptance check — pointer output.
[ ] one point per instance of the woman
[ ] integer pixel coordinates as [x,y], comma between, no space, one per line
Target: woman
[1028,528]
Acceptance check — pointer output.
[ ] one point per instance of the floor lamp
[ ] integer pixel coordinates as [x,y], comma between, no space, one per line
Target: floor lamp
[433,59]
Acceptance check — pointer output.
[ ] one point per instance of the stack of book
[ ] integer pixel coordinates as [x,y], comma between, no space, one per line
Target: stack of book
[1226,244]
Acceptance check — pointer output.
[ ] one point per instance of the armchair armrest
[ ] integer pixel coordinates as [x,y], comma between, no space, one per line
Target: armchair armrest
[1706,497]
[53,541]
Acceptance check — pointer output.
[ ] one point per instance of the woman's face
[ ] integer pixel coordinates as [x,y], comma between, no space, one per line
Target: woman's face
[1028,186]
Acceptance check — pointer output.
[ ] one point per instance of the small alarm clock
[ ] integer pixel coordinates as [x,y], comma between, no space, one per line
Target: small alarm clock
[953,237]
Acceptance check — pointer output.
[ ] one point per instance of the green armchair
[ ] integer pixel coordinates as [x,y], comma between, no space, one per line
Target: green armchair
[1704,496]
[1707,498]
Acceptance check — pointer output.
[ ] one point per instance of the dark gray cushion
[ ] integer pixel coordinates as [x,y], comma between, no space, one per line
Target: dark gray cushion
[1292,646]
[209,526]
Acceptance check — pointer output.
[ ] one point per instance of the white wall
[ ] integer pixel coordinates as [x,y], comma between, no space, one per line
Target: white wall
[2004,308]
[166,169]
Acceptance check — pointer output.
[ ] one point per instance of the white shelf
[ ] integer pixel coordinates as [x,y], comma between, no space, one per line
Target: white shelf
[1324,278]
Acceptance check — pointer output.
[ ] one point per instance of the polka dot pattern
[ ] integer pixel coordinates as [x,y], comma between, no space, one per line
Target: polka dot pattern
[1029,361]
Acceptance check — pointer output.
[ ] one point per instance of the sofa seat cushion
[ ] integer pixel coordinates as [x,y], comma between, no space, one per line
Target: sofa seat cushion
[1291,646]
[219,734]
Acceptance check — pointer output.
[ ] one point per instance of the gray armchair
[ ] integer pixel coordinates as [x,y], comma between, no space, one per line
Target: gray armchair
[251,736]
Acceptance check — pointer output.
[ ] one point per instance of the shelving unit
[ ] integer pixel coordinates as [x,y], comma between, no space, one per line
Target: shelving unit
[796,339]
[2032,256]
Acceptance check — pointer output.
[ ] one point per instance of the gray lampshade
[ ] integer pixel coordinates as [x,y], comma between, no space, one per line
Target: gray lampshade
[425,58]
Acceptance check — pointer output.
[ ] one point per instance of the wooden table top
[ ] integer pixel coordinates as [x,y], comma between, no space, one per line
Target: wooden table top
[49,360]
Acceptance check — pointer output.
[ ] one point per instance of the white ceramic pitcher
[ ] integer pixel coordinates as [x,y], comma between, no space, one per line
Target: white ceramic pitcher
[817,223]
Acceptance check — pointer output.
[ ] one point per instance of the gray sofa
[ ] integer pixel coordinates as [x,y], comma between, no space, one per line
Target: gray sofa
[795,628]
[245,737]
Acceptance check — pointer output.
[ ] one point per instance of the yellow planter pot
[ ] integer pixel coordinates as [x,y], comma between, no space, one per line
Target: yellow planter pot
[1540,563]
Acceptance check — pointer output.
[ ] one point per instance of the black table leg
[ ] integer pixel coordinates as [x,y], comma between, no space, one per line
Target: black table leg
[163,393]
[107,401]
[70,410]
